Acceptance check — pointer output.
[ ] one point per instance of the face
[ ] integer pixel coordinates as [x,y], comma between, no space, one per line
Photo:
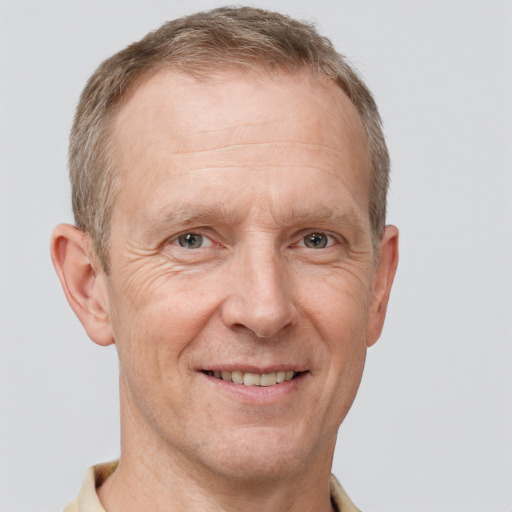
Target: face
[242,269]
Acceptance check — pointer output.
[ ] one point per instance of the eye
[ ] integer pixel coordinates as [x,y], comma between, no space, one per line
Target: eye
[317,240]
[194,241]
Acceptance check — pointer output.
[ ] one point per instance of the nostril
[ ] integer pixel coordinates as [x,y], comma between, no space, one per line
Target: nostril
[260,300]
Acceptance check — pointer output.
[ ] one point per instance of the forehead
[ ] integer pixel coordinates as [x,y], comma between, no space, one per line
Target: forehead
[174,125]
[230,99]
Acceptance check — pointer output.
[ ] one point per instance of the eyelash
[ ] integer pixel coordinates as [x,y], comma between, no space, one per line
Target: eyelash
[331,240]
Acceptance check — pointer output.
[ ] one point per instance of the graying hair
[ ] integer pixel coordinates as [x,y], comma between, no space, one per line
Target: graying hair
[241,38]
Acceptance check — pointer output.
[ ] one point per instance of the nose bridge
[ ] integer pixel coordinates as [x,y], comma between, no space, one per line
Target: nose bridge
[261,295]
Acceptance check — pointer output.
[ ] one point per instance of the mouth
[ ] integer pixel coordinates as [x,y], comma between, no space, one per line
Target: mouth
[254,379]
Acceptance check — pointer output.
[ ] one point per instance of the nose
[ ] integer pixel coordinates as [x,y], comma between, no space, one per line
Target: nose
[260,294]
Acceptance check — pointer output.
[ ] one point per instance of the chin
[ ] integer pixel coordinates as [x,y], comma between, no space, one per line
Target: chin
[263,454]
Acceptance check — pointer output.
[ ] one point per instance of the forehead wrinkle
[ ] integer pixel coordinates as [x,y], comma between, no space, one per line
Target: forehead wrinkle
[250,145]
[238,127]
[262,167]
[259,149]
[243,134]
[263,156]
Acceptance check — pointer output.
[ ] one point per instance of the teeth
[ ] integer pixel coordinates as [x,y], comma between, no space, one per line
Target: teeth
[268,379]
[253,379]
[237,377]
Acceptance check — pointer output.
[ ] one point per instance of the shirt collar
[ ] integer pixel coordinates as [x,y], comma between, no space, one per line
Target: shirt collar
[88,501]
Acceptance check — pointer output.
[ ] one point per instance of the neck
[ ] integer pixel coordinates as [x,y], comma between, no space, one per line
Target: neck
[131,489]
[158,474]
[152,475]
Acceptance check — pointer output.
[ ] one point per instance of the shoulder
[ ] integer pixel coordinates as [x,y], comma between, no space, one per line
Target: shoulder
[340,498]
[87,500]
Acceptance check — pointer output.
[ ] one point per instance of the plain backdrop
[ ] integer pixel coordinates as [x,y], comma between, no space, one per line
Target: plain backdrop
[431,427]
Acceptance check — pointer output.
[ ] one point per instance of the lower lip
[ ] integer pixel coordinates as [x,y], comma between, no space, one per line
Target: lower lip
[259,394]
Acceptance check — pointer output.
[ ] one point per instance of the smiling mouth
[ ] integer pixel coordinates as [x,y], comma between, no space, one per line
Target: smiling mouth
[254,379]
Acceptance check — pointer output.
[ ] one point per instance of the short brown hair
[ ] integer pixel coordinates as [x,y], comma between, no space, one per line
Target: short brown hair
[241,38]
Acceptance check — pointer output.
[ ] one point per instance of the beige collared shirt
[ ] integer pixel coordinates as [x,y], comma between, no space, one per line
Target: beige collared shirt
[88,501]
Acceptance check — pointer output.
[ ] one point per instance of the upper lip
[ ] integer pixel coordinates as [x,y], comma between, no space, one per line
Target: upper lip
[248,368]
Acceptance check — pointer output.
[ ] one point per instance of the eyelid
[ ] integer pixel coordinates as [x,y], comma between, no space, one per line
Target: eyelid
[334,238]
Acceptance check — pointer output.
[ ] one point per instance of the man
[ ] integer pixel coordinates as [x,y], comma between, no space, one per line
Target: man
[229,179]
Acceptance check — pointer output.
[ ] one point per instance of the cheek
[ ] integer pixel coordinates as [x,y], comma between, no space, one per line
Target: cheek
[339,316]
[338,309]
[156,324]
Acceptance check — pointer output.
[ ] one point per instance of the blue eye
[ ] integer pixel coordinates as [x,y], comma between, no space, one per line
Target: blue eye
[316,240]
[191,240]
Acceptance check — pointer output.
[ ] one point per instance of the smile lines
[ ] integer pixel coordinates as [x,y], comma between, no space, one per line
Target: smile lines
[253,379]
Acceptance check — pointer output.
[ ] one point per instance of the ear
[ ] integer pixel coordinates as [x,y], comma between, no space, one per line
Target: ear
[384,275]
[82,280]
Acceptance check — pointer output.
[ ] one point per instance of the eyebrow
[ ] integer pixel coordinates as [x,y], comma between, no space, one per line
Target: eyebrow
[321,215]
[228,214]
[187,214]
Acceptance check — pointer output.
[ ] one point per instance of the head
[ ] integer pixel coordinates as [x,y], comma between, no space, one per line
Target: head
[230,39]
[229,196]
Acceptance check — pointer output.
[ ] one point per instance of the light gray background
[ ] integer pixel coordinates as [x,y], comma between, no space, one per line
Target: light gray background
[431,427]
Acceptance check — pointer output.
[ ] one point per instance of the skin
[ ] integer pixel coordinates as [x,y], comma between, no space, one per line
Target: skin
[253,165]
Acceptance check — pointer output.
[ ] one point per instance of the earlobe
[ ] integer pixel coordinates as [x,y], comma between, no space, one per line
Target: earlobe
[384,275]
[82,280]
